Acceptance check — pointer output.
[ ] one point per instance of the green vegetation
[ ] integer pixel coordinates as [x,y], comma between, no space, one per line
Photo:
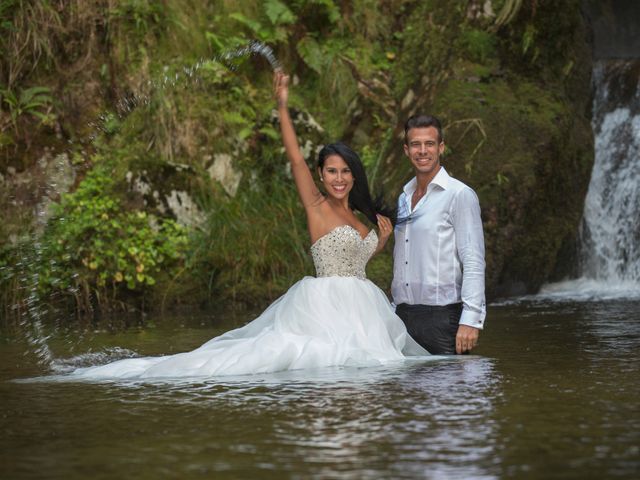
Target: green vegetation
[98,253]
[95,246]
[180,191]
[255,247]
[34,101]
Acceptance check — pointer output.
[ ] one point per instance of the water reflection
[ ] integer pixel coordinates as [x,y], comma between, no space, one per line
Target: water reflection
[399,420]
[404,416]
[552,393]
[570,393]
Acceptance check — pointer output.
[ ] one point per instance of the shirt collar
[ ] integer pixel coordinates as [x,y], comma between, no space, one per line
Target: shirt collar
[441,179]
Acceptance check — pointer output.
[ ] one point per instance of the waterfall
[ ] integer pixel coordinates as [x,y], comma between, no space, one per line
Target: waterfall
[609,252]
[610,231]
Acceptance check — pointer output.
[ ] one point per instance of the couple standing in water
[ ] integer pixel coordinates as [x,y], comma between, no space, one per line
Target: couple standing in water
[339,317]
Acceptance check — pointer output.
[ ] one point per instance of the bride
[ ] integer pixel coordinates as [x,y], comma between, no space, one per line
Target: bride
[336,318]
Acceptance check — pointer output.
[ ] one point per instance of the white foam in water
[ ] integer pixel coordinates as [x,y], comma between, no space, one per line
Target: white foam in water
[578,290]
[588,289]
[66,365]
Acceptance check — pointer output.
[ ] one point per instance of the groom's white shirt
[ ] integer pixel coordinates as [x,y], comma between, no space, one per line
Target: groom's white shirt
[439,252]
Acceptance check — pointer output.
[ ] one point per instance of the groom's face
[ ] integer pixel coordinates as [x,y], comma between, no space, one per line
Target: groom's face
[423,147]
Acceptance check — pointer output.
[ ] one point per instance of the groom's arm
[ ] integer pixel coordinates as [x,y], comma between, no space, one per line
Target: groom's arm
[470,249]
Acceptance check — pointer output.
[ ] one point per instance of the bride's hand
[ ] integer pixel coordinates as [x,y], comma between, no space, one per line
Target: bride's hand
[281,87]
[385,228]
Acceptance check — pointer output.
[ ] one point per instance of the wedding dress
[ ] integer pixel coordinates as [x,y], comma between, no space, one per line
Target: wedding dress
[336,318]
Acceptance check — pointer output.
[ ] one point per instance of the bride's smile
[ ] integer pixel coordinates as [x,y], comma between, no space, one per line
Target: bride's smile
[336,177]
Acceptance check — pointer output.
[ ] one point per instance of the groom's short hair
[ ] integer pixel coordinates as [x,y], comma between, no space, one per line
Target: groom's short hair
[420,120]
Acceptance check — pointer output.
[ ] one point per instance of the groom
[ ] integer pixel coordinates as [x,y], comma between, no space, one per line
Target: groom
[438,272]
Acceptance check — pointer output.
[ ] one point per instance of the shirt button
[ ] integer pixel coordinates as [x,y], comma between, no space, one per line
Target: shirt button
[407,284]
[406,263]
[407,240]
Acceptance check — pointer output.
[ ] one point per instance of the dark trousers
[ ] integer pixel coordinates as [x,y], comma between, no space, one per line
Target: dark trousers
[434,327]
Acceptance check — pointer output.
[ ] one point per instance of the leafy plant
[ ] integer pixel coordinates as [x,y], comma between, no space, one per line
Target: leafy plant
[271,27]
[34,101]
[142,15]
[312,54]
[278,13]
[479,44]
[93,245]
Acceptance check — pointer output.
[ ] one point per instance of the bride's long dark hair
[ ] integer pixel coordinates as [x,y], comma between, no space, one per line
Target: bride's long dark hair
[359,197]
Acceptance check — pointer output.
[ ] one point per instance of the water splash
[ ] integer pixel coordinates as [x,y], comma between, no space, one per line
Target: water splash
[31,320]
[90,359]
[183,76]
[258,48]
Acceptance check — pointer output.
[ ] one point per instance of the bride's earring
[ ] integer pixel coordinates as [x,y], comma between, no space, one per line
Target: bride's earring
[321,179]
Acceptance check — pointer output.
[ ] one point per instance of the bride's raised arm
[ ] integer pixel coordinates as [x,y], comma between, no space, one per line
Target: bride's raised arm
[309,193]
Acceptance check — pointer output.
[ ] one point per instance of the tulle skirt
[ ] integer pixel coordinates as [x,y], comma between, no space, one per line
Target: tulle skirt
[319,322]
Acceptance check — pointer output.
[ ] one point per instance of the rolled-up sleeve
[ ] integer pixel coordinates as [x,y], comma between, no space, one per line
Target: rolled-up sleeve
[470,250]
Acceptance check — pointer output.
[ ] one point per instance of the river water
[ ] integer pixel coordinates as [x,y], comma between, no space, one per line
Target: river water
[552,392]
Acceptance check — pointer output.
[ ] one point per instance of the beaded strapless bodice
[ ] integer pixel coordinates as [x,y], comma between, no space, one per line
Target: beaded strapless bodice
[343,253]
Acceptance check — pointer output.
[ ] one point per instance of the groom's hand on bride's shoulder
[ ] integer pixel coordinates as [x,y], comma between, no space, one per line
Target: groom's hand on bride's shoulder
[466,338]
